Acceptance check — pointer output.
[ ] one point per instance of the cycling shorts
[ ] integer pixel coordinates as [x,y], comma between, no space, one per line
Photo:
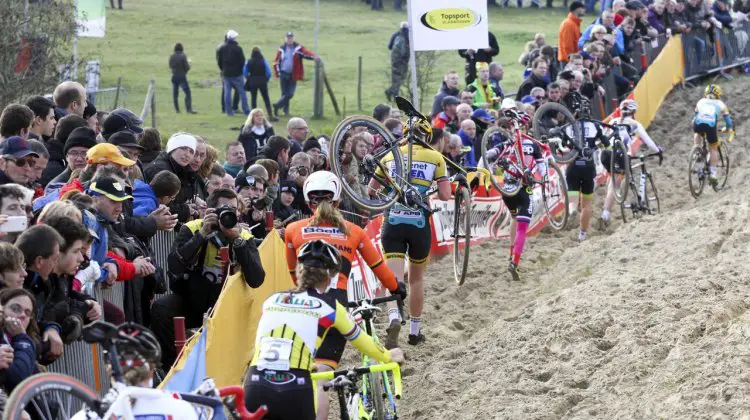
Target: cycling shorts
[581,178]
[332,348]
[405,239]
[521,205]
[606,158]
[287,394]
[711,132]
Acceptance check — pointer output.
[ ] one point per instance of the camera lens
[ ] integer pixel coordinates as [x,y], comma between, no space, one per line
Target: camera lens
[228,218]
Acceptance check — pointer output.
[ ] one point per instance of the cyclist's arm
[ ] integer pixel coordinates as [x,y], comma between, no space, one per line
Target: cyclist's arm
[727,117]
[541,164]
[363,342]
[641,132]
[371,255]
[441,177]
[291,254]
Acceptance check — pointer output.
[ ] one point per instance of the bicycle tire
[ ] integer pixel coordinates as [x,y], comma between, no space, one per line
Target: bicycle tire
[557,224]
[649,198]
[621,193]
[36,385]
[461,233]
[508,190]
[696,167]
[541,131]
[722,169]
[389,145]
[375,391]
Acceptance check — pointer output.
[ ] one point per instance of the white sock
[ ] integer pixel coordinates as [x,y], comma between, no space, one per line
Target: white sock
[414,325]
[582,235]
[393,315]
[712,170]
[572,208]
[605,214]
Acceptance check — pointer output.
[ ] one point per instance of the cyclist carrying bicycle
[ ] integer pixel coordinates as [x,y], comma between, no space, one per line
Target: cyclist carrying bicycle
[705,123]
[628,107]
[322,191]
[406,230]
[290,331]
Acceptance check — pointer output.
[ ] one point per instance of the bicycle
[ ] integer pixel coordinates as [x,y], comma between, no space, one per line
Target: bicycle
[644,198]
[52,395]
[553,124]
[699,164]
[511,160]
[397,185]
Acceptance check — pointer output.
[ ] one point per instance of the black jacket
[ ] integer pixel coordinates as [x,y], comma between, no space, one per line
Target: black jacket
[178,63]
[191,184]
[437,103]
[190,267]
[256,71]
[482,56]
[530,83]
[253,142]
[230,58]
[56,164]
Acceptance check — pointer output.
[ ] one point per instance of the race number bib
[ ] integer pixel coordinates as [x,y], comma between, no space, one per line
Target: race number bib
[274,353]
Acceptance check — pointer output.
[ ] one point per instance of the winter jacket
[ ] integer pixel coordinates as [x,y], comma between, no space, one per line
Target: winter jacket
[722,16]
[148,156]
[658,22]
[24,360]
[50,294]
[230,58]
[178,63]
[586,35]
[696,15]
[197,268]
[253,142]
[570,33]
[399,46]
[444,122]
[530,83]
[144,199]
[483,95]
[482,56]
[191,185]
[232,169]
[298,70]
[257,72]
[437,103]
[470,157]
[56,164]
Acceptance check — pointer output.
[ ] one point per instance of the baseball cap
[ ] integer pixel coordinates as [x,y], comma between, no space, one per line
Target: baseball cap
[245,179]
[482,114]
[121,119]
[450,100]
[528,99]
[107,153]
[232,34]
[289,187]
[289,34]
[110,188]
[634,5]
[17,147]
[80,137]
[125,139]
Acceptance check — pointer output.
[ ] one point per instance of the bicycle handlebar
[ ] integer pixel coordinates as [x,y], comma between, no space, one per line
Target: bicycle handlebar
[380,300]
[393,367]
[238,393]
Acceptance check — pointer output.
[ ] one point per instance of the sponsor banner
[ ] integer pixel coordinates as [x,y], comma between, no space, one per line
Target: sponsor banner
[90,18]
[448,24]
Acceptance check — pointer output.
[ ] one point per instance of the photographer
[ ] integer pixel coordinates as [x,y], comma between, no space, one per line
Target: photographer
[204,253]
[251,186]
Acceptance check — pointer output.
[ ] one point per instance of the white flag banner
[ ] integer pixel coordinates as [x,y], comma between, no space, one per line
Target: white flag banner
[449,24]
[91,18]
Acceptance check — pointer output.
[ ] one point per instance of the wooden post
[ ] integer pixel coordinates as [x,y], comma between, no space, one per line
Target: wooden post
[117,92]
[318,90]
[359,84]
[153,104]
[330,94]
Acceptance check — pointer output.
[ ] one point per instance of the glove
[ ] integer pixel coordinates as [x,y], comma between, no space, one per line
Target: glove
[731,135]
[400,291]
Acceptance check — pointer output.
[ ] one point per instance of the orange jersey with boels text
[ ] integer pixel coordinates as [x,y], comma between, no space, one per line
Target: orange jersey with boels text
[299,233]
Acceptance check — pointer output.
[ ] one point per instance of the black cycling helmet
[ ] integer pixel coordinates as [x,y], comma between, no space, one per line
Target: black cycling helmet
[319,254]
[139,340]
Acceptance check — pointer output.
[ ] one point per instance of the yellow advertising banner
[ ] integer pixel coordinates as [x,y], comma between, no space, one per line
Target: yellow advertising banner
[663,74]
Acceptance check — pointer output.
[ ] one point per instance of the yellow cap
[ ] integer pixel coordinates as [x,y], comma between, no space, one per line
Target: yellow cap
[107,153]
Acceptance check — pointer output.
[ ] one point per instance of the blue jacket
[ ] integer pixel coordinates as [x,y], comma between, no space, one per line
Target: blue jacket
[24,360]
[99,247]
[470,158]
[619,48]
[144,199]
[586,35]
[722,16]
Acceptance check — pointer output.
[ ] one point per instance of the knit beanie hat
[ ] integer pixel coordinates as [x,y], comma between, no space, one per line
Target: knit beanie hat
[181,140]
[311,143]
[80,137]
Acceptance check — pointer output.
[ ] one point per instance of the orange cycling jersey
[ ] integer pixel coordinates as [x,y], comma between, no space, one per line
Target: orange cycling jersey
[298,233]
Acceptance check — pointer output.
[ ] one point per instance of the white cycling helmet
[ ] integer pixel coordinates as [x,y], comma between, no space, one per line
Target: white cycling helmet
[628,106]
[508,103]
[322,181]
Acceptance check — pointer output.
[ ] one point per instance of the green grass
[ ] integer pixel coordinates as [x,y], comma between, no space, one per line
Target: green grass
[140,39]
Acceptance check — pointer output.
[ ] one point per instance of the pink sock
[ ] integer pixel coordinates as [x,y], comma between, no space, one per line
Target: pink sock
[521,228]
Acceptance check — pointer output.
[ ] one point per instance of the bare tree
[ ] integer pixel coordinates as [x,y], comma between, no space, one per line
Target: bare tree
[428,73]
[35,40]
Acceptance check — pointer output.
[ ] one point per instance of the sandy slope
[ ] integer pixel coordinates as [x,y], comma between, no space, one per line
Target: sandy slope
[647,320]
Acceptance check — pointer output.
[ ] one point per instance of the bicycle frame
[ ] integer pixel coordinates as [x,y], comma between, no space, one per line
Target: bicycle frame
[640,189]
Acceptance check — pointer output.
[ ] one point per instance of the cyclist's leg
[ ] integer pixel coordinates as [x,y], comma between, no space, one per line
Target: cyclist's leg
[712,136]
[329,354]
[293,399]
[573,178]
[419,241]
[394,251]
[587,197]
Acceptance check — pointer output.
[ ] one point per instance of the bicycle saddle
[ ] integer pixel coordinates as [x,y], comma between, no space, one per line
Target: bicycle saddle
[99,332]
[407,108]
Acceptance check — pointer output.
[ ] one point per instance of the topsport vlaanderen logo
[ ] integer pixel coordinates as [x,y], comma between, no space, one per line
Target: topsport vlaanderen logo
[450,19]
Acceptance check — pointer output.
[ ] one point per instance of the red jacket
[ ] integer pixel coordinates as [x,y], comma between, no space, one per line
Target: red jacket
[570,32]
[126,269]
[298,70]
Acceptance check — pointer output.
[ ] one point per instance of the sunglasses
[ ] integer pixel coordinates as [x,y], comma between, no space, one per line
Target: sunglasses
[302,170]
[28,161]
[539,98]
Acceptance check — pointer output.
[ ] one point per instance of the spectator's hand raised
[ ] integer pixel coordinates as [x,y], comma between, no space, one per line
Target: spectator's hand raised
[6,356]
[143,266]
[164,219]
[210,221]
[56,344]
[95,310]
[13,326]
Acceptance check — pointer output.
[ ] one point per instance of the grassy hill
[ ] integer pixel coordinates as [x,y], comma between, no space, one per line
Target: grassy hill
[140,39]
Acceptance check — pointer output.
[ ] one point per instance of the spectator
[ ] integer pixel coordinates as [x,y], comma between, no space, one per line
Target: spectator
[395,127]
[12,203]
[40,163]
[467,98]
[447,119]
[452,149]
[483,121]
[254,134]
[21,332]
[657,18]
[289,69]
[283,210]
[69,98]
[160,191]
[484,95]
[200,156]
[100,116]
[216,178]
[297,133]
[179,64]
[468,135]
[16,120]
[231,61]
[602,25]
[197,269]
[395,113]
[535,79]
[540,40]
[553,92]
[121,119]
[300,167]
[257,73]
[80,141]
[312,147]
[526,56]
[272,190]
[43,125]
[151,142]
[570,32]
[235,153]
[399,47]
[251,186]
[449,87]
[278,149]
[496,76]
[463,112]
[722,13]
[355,150]
[473,57]
[17,161]
[12,267]
[381,112]
[91,116]
[40,245]
[127,142]
[625,43]
[639,13]
[112,4]
[236,96]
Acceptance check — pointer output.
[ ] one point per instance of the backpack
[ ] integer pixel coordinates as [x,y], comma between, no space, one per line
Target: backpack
[400,45]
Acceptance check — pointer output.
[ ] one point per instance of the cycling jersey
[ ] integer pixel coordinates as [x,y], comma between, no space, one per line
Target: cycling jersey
[637,129]
[165,406]
[707,111]
[293,325]
[357,241]
[581,173]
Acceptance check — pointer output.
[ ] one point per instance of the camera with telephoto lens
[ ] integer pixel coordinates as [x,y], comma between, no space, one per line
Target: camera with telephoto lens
[227,217]
[71,315]
[258,204]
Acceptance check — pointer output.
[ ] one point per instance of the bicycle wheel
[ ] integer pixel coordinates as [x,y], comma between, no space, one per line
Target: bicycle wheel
[49,396]
[461,233]
[652,196]
[384,149]
[374,394]
[555,197]
[722,167]
[491,162]
[629,208]
[697,168]
[555,124]
[619,164]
